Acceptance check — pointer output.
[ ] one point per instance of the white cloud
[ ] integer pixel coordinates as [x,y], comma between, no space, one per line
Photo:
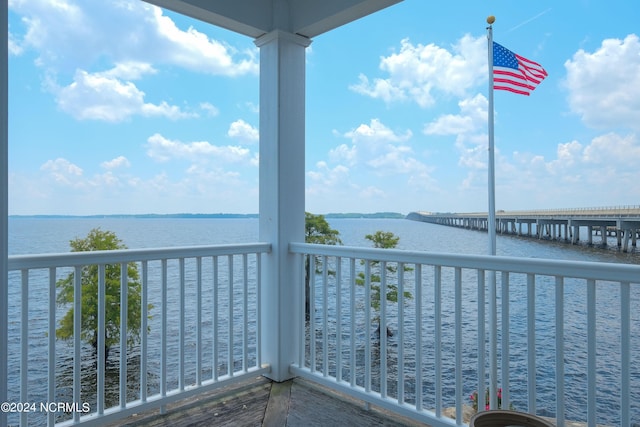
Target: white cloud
[382,150]
[344,153]
[472,117]
[327,177]
[418,70]
[379,89]
[473,157]
[374,151]
[15,48]
[210,109]
[66,33]
[614,150]
[469,127]
[62,171]
[252,107]
[604,86]
[118,162]
[104,96]
[203,176]
[243,131]
[107,179]
[63,187]
[325,182]
[372,192]
[163,150]
[194,50]
[568,154]
[102,47]
[132,70]
[376,133]
[606,166]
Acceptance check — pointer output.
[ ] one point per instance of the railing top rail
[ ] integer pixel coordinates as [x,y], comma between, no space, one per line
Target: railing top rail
[548,267]
[70,259]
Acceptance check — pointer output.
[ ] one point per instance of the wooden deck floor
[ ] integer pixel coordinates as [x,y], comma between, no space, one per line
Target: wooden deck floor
[261,402]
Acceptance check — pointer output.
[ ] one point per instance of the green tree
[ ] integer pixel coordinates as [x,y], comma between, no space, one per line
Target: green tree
[382,240]
[316,230]
[98,240]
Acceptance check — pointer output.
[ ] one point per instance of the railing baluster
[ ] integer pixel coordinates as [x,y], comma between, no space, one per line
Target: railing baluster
[338,319]
[101,337]
[124,303]
[382,325]
[352,310]
[505,340]
[482,347]
[437,301]
[24,343]
[198,303]
[625,353]
[300,258]
[458,340]
[493,343]
[163,336]
[143,331]
[418,370]
[230,340]
[591,354]
[181,324]
[325,317]
[77,331]
[259,311]
[531,343]
[312,313]
[400,333]
[216,283]
[245,309]
[51,330]
[367,326]
[560,350]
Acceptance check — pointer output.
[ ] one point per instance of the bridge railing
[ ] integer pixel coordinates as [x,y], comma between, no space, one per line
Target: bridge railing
[199,311]
[613,211]
[552,338]
[616,211]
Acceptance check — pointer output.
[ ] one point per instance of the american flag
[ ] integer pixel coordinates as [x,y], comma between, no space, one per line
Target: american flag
[515,73]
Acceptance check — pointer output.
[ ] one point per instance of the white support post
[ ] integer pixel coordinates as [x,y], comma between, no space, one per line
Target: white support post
[4,208]
[282,139]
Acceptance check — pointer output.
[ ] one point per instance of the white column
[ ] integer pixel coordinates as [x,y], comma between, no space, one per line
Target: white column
[282,138]
[4,207]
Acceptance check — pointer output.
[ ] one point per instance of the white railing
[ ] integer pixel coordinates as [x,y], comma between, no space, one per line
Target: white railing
[560,340]
[199,307]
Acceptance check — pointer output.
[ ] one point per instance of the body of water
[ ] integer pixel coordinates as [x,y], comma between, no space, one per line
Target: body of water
[47,235]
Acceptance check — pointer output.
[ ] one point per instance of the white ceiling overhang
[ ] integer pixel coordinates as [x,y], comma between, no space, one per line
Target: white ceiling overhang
[255,18]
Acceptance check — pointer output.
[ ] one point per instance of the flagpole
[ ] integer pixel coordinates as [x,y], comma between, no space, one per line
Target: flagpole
[491,228]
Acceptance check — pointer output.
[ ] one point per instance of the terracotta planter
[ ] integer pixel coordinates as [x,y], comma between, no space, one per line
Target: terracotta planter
[500,418]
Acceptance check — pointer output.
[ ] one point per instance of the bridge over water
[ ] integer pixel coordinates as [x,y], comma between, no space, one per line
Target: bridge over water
[621,223]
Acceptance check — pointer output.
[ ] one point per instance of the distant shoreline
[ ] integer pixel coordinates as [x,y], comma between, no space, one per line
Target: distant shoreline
[390,215]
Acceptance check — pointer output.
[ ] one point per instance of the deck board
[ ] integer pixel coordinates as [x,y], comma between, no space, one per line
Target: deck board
[311,405]
[278,405]
[261,402]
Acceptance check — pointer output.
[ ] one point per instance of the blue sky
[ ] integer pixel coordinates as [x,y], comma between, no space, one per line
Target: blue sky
[120,107]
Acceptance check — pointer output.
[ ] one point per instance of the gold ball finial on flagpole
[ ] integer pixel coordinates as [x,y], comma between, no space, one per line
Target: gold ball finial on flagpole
[491,19]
